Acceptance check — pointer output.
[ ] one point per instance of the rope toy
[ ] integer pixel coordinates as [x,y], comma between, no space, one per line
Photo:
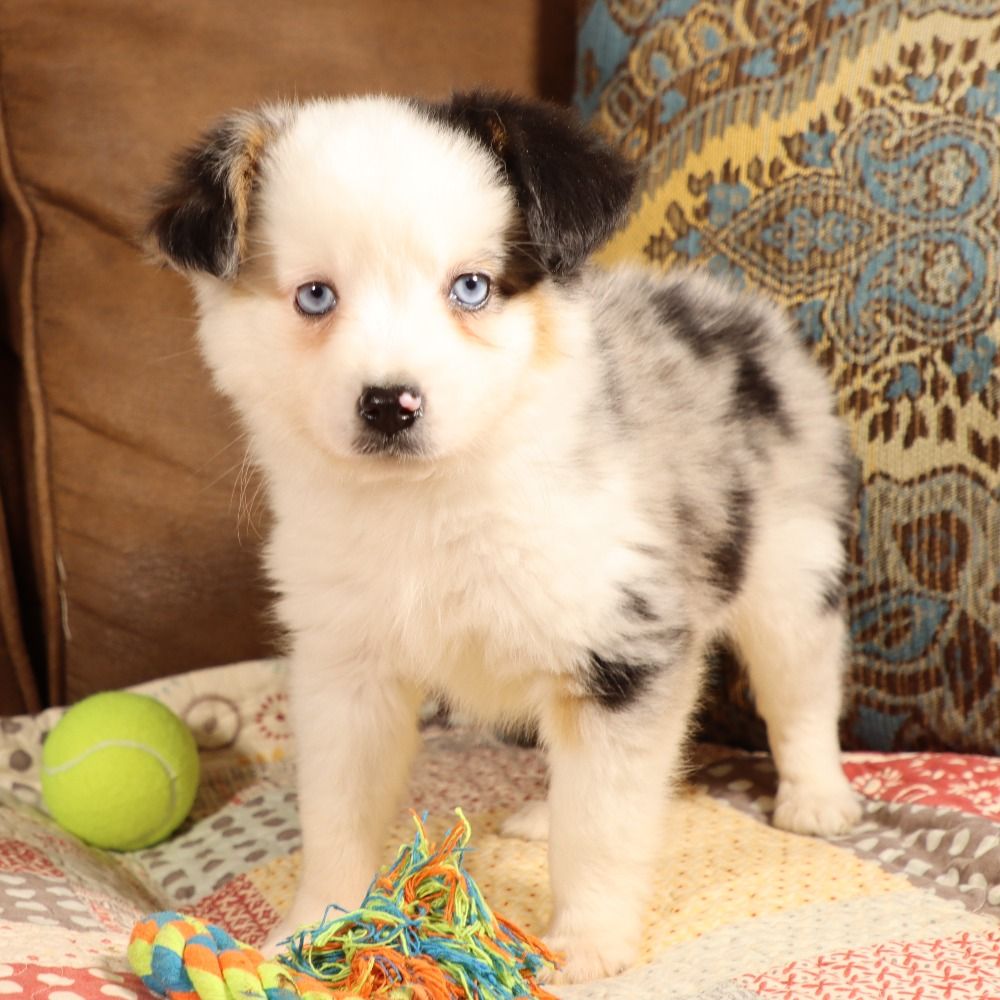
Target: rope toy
[423,931]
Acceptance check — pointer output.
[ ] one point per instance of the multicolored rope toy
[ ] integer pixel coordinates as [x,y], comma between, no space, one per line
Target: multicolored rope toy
[424,932]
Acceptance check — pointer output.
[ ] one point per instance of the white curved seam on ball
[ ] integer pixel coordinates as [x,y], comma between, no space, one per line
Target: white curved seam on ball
[131,745]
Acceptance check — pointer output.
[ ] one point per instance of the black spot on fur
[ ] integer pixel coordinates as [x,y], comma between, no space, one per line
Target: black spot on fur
[637,607]
[572,189]
[756,394]
[674,310]
[727,558]
[755,390]
[704,328]
[710,331]
[617,684]
[834,593]
[519,734]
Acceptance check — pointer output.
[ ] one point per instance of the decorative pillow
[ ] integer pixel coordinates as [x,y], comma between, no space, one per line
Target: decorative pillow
[844,157]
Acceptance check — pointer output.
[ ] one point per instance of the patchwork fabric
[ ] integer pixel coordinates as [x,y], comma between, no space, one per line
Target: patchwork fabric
[844,158]
[906,902]
[939,840]
[963,967]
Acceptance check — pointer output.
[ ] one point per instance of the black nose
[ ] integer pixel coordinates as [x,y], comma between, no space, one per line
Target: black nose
[391,408]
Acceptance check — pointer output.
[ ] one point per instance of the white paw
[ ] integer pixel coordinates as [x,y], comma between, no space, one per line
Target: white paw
[274,943]
[306,911]
[589,956]
[531,822]
[824,811]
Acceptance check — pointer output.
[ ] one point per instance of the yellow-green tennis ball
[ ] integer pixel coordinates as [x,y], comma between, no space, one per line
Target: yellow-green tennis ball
[119,770]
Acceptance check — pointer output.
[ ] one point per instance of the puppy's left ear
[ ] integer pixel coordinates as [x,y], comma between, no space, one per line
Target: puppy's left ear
[202,214]
[572,189]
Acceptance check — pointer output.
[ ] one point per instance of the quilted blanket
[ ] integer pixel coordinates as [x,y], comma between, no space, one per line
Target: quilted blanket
[906,906]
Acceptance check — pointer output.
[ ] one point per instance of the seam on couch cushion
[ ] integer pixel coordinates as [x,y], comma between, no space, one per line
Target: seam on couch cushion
[41,511]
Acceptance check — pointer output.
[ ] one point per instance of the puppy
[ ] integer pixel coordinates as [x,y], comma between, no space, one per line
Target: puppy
[501,473]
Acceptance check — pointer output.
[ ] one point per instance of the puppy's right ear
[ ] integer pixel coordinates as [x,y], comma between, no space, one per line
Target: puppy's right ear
[201,216]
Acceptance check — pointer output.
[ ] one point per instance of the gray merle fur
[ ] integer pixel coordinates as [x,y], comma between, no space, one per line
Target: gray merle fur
[757,395]
[728,557]
[638,607]
[834,593]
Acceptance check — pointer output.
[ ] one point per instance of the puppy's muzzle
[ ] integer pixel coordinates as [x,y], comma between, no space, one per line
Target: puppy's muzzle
[390,409]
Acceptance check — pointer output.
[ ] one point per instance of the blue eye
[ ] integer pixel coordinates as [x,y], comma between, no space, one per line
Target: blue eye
[470,291]
[315,298]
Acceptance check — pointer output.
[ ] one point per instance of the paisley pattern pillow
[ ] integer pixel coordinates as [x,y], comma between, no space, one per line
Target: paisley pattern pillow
[844,157]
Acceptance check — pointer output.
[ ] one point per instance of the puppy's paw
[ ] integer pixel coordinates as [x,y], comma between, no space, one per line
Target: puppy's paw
[592,945]
[529,823]
[274,943]
[305,912]
[588,956]
[824,811]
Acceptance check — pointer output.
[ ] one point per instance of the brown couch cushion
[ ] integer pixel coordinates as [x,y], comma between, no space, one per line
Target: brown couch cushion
[133,460]
[18,691]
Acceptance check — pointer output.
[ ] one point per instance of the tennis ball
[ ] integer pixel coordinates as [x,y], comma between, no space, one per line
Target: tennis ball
[119,770]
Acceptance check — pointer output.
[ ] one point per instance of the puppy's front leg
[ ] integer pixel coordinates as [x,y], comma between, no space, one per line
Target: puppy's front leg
[355,730]
[612,767]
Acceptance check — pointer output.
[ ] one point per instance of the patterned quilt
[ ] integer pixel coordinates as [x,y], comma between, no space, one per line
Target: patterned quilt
[907,906]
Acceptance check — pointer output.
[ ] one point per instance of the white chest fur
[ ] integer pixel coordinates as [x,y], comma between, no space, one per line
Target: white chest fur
[480,581]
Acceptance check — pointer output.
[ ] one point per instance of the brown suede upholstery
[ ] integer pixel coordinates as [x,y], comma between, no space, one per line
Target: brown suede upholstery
[119,465]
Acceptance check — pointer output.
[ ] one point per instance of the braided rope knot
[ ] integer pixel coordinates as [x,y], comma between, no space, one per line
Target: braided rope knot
[179,957]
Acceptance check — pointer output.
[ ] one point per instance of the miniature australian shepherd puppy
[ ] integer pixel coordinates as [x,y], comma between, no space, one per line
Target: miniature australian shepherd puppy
[502,473]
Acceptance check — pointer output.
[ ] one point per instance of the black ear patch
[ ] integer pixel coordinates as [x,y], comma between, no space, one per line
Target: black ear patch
[201,216]
[572,190]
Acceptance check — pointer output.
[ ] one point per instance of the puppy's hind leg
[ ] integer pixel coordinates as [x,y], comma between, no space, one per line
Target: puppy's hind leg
[530,822]
[789,626]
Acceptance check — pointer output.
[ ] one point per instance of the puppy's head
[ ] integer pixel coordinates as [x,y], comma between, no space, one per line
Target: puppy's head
[382,276]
